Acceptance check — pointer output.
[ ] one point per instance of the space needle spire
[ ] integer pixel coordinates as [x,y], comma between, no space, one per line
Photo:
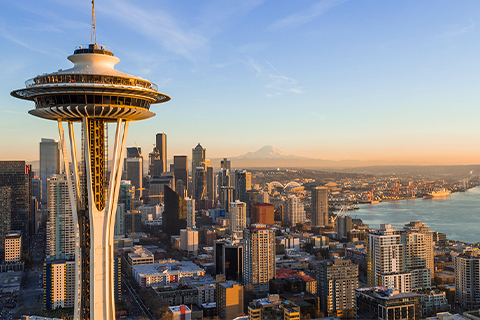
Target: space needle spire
[93,37]
[92,93]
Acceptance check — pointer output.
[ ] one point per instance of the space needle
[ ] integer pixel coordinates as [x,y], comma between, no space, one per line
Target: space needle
[94,94]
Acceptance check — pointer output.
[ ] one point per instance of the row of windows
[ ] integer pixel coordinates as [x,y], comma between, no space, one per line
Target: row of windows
[90,78]
[81,99]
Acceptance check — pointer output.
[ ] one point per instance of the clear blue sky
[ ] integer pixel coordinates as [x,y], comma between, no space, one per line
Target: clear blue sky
[394,80]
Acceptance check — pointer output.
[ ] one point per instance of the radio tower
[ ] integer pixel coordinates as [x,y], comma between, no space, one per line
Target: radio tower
[92,93]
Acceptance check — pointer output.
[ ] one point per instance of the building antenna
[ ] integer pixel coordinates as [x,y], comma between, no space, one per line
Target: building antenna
[93,36]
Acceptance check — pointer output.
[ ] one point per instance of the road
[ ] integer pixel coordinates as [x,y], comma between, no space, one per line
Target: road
[136,299]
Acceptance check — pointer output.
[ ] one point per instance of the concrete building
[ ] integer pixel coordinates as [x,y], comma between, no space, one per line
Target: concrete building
[263,213]
[181,312]
[13,246]
[120,220]
[344,226]
[294,211]
[59,228]
[259,256]
[138,256]
[165,273]
[467,280]
[420,227]
[272,307]
[337,281]
[189,240]
[238,216]
[228,298]
[50,163]
[319,206]
[58,284]
[190,212]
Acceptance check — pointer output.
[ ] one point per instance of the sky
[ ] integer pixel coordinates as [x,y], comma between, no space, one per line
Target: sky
[330,79]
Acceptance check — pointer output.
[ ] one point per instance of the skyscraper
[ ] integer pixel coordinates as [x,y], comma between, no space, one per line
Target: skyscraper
[337,280]
[294,211]
[180,169]
[210,183]
[344,225]
[200,186]
[134,170]
[238,216]
[228,259]
[93,93]
[5,213]
[243,183]
[190,212]
[50,163]
[14,176]
[158,157]
[225,164]
[60,231]
[175,214]
[259,256]
[198,160]
[319,206]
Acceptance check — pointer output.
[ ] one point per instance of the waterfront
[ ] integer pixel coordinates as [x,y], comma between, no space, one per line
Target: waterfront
[458,215]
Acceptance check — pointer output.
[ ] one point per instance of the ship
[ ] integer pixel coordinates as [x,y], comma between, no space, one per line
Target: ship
[437,193]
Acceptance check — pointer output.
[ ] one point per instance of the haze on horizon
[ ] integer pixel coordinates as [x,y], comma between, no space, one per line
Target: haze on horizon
[329,79]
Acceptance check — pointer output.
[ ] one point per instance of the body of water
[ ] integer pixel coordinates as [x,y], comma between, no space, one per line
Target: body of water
[458,215]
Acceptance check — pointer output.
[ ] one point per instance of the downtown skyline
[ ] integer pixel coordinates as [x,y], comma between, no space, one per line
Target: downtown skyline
[332,80]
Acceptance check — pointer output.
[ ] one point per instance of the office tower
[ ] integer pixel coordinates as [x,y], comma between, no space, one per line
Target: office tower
[37,188]
[93,93]
[419,226]
[238,216]
[319,206]
[120,220]
[210,183]
[228,259]
[60,229]
[126,194]
[189,240]
[226,196]
[190,212]
[228,298]
[13,175]
[385,260]
[132,222]
[5,213]
[225,164]
[198,160]
[294,211]
[13,246]
[243,183]
[158,157]
[180,169]
[344,225]
[156,185]
[134,170]
[336,283]
[263,213]
[467,280]
[50,163]
[199,183]
[175,214]
[259,256]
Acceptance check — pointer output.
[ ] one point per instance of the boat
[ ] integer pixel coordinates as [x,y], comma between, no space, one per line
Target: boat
[438,193]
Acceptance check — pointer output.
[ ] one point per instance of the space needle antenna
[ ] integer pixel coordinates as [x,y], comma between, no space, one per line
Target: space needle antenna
[93,36]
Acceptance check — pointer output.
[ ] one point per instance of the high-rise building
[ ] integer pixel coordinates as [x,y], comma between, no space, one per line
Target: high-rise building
[93,93]
[294,211]
[228,259]
[344,225]
[13,175]
[50,163]
[120,220]
[418,226]
[158,157]
[175,214]
[415,259]
[467,280]
[336,283]
[243,183]
[189,240]
[126,194]
[226,196]
[5,213]
[60,229]
[180,169]
[259,256]
[225,164]
[210,183]
[319,206]
[200,185]
[58,284]
[263,213]
[238,216]
[198,160]
[13,246]
[134,170]
[190,212]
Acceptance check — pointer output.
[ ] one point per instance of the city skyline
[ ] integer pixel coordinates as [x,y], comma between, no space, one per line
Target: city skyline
[330,80]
